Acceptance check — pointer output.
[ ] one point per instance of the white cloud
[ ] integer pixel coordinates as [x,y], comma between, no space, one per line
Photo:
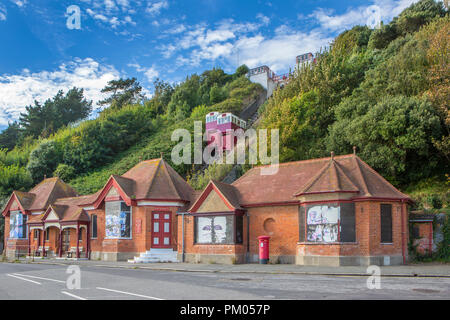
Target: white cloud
[361,15]
[265,20]
[113,13]
[3,13]
[20,90]
[150,73]
[156,7]
[19,3]
[228,40]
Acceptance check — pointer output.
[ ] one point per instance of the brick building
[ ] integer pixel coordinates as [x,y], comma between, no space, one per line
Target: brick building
[131,215]
[330,211]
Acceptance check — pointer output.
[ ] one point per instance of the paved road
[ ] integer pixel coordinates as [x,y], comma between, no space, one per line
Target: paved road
[44,282]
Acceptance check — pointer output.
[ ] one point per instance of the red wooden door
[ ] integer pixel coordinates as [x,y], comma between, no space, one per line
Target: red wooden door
[161,230]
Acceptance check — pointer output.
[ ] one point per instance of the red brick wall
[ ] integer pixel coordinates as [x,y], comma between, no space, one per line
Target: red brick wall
[191,247]
[282,228]
[368,234]
[141,239]
[425,241]
[281,224]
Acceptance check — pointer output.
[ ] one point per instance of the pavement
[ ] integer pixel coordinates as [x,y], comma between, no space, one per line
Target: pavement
[412,270]
[111,281]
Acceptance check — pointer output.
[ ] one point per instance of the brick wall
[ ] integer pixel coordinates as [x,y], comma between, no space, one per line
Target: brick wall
[141,231]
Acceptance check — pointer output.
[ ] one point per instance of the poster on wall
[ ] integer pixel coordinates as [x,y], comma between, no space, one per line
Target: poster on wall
[323,223]
[112,220]
[204,230]
[16,225]
[220,229]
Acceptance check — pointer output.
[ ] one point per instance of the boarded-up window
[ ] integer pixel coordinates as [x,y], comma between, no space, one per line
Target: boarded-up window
[386,223]
[214,230]
[94,226]
[348,223]
[301,223]
[239,229]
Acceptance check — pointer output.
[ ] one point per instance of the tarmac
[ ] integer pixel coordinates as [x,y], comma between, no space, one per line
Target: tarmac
[439,270]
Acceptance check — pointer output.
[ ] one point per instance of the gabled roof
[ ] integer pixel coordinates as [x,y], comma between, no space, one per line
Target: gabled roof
[318,175]
[331,178]
[148,180]
[68,209]
[227,192]
[41,196]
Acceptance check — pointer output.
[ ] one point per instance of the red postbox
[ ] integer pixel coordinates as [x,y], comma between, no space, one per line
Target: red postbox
[263,249]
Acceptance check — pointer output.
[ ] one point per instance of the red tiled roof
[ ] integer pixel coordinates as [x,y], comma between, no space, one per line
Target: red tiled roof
[42,195]
[148,180]
[229,192]
[330,179]
[155,179]
[226,191]
[68,209]
[347,173]
[48,191]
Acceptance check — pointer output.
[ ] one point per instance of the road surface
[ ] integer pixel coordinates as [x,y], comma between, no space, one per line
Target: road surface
[48,282]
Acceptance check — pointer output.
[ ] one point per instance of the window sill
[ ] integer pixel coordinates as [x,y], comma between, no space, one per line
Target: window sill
[328,243]
[386,244]
[218,244]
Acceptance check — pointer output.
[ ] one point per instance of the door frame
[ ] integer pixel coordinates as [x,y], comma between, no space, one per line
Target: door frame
[161,232]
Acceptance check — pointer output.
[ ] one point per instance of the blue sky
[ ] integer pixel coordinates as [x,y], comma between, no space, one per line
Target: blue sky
[169,39]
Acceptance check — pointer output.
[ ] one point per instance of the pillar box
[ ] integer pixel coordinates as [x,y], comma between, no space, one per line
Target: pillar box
[263,249]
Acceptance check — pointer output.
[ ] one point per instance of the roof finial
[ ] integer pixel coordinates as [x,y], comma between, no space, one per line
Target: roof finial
[140,158]
[162,155]
[354,150]
[45,176]
[332,155]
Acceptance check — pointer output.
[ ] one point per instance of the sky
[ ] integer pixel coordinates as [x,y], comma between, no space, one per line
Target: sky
[46,46]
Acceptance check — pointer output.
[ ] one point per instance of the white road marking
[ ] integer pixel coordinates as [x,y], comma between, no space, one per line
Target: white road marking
[73,296]
[10,275]
[129,293]
[48,279]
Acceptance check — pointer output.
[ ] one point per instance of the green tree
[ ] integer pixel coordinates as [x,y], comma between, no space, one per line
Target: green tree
[64,172]
[10,136]
[122,92]
[394,136]
[42,120]
[43,160]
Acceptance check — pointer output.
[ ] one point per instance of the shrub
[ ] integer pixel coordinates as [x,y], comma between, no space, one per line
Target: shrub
[64,172]
[43,160]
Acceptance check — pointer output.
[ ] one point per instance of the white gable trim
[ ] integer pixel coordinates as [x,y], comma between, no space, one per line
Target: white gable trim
[160,203]
[52,216]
